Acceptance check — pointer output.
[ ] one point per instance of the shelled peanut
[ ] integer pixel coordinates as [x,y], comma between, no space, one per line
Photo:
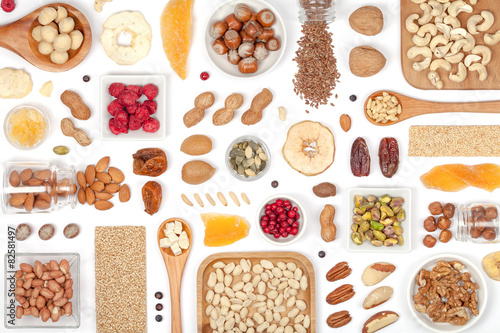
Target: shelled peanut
[44,291]
[99,183]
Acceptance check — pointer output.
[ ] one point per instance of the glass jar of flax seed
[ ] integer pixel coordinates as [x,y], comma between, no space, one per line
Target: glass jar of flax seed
[478,223]
[316,10]
[36,187]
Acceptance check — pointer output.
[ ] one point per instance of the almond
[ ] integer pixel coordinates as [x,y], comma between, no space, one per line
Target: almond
[14,179]
[124,193]
[103,177]
[103,205]
[82,181]
[116,175]
[29,203]
[102,164]
[98,186]
[196,145]
[345,122]
[90,174]
[367,20]
[90,196]
[81,196]
[103,196]
[18,199]
[42,174]
[112,188]
[44,196]
[366,61]
[25,175]
[34,182]
[41,204]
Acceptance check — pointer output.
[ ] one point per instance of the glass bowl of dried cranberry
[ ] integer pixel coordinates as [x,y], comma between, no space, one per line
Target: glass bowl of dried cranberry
[281,220]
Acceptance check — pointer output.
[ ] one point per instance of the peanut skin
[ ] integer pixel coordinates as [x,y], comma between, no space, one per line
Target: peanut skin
[202,102]
[68,129]
[328,228]
[253,115]
[74,102]
[225,115]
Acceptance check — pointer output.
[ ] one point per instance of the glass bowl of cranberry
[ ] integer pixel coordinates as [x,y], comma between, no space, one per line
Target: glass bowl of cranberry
[281,220]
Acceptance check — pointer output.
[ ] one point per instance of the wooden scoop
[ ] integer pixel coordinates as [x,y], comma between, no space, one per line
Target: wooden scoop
[175,268]
[413,107]
[16,37]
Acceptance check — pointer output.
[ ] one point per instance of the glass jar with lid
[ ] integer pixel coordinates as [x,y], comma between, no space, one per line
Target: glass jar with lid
[316,11]
[35,187]
[478,223]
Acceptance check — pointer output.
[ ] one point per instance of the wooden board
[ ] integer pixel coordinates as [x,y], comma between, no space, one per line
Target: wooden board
[309,296]
[419,79]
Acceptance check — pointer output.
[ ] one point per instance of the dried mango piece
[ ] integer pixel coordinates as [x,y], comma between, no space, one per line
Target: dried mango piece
[456,177]
[223,229]
[176,34]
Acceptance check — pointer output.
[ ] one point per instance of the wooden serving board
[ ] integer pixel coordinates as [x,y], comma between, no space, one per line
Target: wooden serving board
[309,296]
[419,79]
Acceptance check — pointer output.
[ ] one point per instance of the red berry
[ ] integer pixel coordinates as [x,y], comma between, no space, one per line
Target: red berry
[295,209]
[272,216]
[263,224]
[288,229]
[282,216]
[295,224]
[297,216]
[294,231]
[272,222]
[273,207]
[277,235]
[289,220]
[264,218]
[268,207]
[204,76]
[281,230]
[291,214]
[279,210]
[279,202]
[286,202]
[284,234]
[8,5]
[266,230]
[268,211]
[271,226]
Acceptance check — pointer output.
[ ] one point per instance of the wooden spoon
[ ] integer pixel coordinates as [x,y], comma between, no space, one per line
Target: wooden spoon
[175,268]
[414,107]
[16,37]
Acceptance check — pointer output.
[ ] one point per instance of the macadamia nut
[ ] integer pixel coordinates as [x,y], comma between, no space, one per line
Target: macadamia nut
[36,33]
[66,25]
[49,33]
[62,43]
[62,13]
[47,15]
[45,47]
[58,57]
[76,39]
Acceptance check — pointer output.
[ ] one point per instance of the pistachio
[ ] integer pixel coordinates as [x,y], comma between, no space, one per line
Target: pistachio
[379,235]
[354,227]
[397,202]
[366,205]
[387,210]
[390,242]
[367,216]
[358,211]
[377,226]
[356,237]
[60,150]
[369,235]
[363,227]
[376,242]
[385,199]
[388,221]
[375,213]
[358,200]
[357,219]
[401,216]
[401,240]
[372,198]
[398,231]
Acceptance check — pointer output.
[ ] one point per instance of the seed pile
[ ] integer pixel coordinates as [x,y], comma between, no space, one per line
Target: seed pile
[317,75]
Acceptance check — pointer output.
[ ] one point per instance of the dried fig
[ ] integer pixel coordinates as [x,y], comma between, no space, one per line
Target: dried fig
[150,162]
[151,195]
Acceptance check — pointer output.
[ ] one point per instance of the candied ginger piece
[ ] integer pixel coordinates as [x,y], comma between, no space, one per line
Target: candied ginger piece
[223,229]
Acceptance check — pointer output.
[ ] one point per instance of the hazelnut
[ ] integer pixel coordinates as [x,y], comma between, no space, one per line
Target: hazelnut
[477,212]
[242,12]
[429,241]
[232,39]
[233,57]
[481,223]
[248,65]
[218,29]
[444,223]
[266,35]
[253,28]
[245,38]
[260,52]
[254,16]
[266,18]
[273,44]
[491,213]
[448,210]
[246,50]
[445,236]
[233,23]
[219,47]
[435,208]
[430,224]
[489,234]
[475,232]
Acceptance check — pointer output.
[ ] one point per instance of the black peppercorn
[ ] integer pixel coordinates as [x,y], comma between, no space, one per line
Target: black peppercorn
[158,318]
[159,307]
[158,295]
[86,78]
[321,254]
[274,183]
[353,98]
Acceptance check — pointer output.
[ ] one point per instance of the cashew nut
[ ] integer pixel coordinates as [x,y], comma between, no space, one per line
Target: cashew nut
[427,28]
[458,45]
[484,51]
[443,13]
[481,69]
[440,63]
[459,31]
[472,23]
[435,79]
[470,59]
[437,7]
[489,19]
[426,16]
[420,66]
[445,29]
[441,51]
[411,26]
[453,21]
[421,41]
[492,39]
[418,1]
[473,2]
[459,6]
[439,39]
[415,51]
[461,74]
[454,58]
[471,43]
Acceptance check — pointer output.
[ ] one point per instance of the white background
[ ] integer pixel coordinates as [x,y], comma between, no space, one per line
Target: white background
[180,96]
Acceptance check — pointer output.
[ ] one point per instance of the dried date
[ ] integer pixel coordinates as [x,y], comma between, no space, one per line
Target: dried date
[388,154]
[360,158]
[151,195]
[150,162]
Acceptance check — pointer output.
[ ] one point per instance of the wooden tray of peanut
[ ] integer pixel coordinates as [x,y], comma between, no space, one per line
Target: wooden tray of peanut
[256,289]
[451,45]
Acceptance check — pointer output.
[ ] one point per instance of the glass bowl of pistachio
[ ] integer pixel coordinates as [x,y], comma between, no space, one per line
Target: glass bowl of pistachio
[248,158]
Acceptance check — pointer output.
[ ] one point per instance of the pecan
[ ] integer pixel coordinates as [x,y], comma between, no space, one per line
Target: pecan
[341,294]
[338,319]
[338,272]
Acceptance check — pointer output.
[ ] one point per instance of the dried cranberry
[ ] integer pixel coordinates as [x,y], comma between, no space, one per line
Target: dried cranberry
[150,90]
[132,109]
[133,123]
[115,128]
[121,118]
[115,89]
[114,106]
[136,89]
[8,5]
[150,105]
[128,98]
[151,125]
[204,76]
[142,113]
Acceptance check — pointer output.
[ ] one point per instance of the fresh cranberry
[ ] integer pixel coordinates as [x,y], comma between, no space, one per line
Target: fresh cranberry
[286,202]
[297,216]
[277,235]
[294,231]
[271,227]
[272,216]
[295,209]
[291,214]
[282,216]
[266,230]
[288,229]
[281,230]
[268,207]
[263,224]
[290,220]
[272,222]
[264,218]
[295,224]
[268,211]
[273,207]
[279,210]
[204,76]
[279,202]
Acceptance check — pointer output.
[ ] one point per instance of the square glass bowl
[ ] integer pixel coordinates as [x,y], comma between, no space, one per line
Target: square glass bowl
[405,193]
[11,264]
[141,80]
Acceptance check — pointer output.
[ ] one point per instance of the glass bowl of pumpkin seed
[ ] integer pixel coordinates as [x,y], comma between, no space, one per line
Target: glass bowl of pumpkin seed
[248,158]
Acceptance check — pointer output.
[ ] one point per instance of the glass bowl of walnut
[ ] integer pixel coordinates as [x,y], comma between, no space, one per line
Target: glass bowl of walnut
[447,293]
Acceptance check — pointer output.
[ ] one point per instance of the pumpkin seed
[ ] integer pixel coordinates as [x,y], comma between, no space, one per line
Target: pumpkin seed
[248,152]
[250,172]
[60,150]
[239,159]
[263,156]
[247,158]
[248,162]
